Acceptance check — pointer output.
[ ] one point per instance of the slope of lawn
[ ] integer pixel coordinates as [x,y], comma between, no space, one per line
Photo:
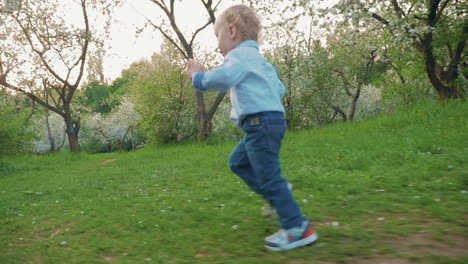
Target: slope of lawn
[388,190]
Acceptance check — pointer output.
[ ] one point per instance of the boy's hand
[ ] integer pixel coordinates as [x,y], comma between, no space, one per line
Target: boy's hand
[192,68]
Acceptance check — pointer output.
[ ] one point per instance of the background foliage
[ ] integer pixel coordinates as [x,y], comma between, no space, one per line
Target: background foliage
[15,130]
[351,62]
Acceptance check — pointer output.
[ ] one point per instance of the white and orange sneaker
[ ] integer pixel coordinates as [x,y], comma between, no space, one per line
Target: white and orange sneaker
[291,238]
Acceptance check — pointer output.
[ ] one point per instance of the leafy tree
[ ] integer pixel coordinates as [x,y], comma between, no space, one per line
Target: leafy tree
[293,65]
[403,77]
[327,81]
[49,129]
[116,130]
[353,57]
[98,97]
[36,28]
[274,17]
[185,46]
[15,133]
[435,28]
[44,57]
[163,96]
[119,85]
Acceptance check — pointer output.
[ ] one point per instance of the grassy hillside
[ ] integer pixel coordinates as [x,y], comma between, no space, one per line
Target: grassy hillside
[389,190]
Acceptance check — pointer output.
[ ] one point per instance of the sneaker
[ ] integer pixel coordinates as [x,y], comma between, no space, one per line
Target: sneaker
[268,211]
[291,238]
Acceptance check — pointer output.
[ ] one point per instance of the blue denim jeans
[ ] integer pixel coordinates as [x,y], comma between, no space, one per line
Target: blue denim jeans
[256,160]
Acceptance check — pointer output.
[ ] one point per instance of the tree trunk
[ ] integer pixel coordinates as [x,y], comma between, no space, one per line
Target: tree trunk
[122,140]
[73,141]
[203,132]
[49,134]
[354,104]
[73,128]
[206,126]
[206,118]
[341,112]
[443,81]
[202,120]
[440,80]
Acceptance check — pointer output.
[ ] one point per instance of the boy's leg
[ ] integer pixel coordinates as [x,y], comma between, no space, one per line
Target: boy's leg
[268,211]
[262,144]
[239,164]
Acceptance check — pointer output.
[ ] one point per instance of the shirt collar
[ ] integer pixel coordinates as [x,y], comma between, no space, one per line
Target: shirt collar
[249,43]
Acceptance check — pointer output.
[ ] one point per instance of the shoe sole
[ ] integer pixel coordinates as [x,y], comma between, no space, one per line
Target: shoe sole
[299,243]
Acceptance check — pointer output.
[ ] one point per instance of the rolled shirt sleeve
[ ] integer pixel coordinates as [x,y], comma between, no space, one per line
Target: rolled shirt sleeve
[220,79]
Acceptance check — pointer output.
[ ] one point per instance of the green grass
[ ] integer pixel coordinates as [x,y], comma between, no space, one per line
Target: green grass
[370,189]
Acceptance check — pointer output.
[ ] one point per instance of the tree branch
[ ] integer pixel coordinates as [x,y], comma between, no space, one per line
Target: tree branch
[3,72]
[411,7]
[163,6]
[455,60]
[341,112]
[442,7]
[432,13]
[168,37]
[84,51]
[381,19]
[217,101]
[48,92]
[369,67]
[449,49]
[345,81]
[212,19]
[35,98]
[198,31]
[172,8]
[39,53]
[216,7]
[400,13]
[170,15]
[210,10]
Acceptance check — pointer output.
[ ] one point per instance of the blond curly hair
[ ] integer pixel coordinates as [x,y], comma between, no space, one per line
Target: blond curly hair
[245,19]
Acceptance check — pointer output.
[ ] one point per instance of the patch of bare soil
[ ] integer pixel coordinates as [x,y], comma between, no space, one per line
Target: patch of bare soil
[110,259]
[407,250]
[108,161]
[381,260]
[423,245]
[418,246]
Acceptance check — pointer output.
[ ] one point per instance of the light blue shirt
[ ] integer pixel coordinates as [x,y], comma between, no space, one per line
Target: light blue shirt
[253,83]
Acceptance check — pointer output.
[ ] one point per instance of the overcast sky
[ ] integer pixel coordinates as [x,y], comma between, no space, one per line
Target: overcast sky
[126,47]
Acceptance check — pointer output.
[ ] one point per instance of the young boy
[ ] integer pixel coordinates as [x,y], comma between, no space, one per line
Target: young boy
[255,92]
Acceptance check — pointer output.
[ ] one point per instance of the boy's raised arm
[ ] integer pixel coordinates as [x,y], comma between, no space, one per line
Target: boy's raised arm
[192,67]
[220,79]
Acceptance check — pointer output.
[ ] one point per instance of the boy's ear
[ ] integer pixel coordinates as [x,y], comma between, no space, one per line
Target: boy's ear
[232,31]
